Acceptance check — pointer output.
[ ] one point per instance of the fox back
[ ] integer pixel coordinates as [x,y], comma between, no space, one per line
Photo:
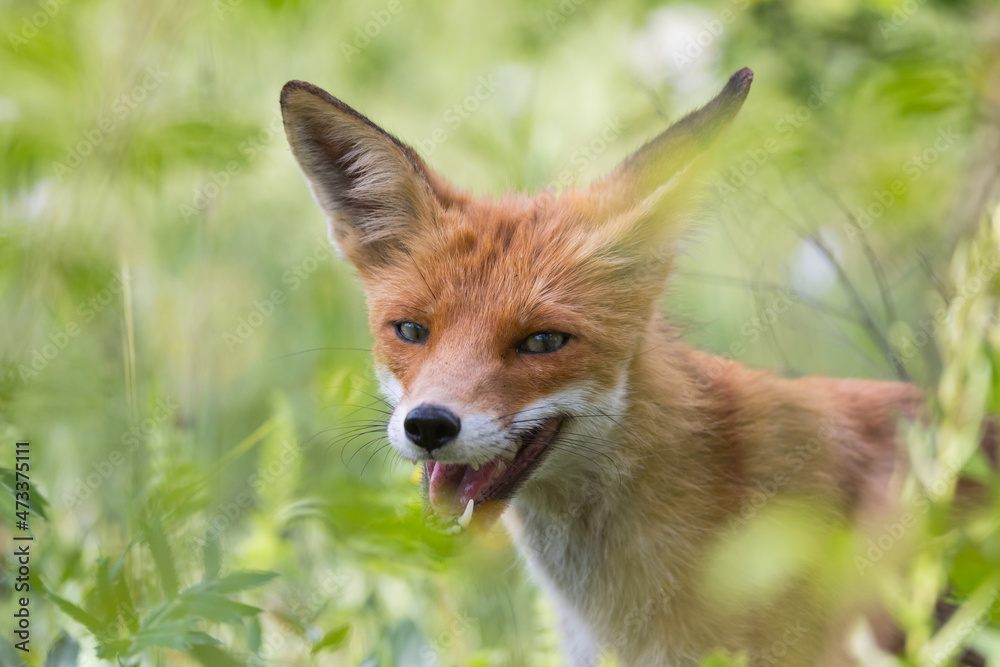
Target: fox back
[520,344]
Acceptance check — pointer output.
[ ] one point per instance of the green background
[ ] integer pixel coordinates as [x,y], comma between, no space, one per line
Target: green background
[189,360]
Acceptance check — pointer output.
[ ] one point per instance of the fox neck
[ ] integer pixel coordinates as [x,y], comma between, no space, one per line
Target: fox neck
[620,539]
[618,546]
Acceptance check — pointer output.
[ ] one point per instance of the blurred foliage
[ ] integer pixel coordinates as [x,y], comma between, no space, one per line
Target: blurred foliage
[939,541]
[190,362]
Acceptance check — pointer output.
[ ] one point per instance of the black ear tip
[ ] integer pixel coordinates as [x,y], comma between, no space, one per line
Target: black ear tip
[295,85]
[729,101]
[743,76]
[291,87]
[739,83]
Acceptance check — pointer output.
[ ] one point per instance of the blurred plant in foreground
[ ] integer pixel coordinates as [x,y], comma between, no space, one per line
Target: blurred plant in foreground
[935,564]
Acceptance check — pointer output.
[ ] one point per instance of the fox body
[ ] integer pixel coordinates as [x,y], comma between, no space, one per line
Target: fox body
[520,343]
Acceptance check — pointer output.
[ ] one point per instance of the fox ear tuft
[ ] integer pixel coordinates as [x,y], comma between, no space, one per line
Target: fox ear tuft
[376,190]
[660,168]
[674,151]
[640,208]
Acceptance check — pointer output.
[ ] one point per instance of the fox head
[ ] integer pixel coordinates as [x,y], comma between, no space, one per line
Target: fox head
[503,327]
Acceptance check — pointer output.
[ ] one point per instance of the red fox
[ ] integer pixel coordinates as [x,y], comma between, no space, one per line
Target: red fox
[520,344]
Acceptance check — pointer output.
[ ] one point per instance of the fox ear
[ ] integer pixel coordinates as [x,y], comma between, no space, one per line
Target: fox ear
[376,190]
[655,181]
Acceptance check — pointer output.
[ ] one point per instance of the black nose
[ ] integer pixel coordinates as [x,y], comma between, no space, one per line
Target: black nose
[431,426]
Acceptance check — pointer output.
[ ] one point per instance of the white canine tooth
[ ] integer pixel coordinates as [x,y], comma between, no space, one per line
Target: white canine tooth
[466,517]
[501,466]
[475,466]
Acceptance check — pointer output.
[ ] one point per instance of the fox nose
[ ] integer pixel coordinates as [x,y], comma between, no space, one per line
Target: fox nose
[431,426]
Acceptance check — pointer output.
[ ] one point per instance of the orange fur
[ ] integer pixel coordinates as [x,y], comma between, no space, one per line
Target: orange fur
[617,520]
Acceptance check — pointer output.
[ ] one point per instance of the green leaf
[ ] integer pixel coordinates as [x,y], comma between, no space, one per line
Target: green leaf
[970,569]
[177,634]
[114,648]
[125,605]
[213,656]
[212,607]
[37,505]
[236,582]
[332,639]
[161,556]
[198,638]
[104,604]
[212,556]
[254,633]
[75,612]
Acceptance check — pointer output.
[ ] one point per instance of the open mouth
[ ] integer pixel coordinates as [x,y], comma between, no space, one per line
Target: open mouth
[455,488]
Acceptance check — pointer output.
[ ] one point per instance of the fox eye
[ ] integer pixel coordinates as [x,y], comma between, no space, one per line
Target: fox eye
[542,342]
[412,332]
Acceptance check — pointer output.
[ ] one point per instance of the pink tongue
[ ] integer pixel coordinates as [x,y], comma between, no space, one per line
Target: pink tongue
[453,485]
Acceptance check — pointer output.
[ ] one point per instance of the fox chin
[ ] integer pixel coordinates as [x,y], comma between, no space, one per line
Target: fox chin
[532,374]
